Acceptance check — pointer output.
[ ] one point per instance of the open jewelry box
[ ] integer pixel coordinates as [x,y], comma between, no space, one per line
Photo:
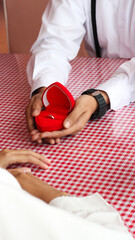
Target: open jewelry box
[58,103]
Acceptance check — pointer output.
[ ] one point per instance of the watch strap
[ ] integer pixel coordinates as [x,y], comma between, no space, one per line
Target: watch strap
[102,106]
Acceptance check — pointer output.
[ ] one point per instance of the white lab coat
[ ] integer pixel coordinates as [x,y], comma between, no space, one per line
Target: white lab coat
[23,216]
[65,24]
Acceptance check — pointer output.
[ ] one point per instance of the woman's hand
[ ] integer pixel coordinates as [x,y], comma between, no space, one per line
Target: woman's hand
[35,186]
[8,157]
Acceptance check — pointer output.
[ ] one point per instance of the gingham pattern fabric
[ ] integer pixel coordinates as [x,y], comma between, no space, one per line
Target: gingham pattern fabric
[101,158]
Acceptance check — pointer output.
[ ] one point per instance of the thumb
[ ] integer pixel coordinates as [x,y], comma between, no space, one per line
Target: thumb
[37,105]
[72,118]
[17,171]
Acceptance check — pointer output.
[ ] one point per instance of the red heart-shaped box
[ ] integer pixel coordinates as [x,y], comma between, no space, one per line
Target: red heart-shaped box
[58,103]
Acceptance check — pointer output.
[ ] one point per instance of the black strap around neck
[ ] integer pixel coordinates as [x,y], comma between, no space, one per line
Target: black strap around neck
[94,27]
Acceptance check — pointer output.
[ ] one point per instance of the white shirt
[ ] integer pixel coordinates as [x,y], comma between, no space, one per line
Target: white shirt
[23,216]
[65,24]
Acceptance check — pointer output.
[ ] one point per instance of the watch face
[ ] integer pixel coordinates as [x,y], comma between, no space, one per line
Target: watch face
[96,93]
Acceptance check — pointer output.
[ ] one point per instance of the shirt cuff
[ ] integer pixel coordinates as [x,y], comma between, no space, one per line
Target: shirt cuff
[118,90]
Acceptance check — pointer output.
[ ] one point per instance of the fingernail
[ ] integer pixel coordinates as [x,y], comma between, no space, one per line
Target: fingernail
[67,124]
[33,132]
[46,167]
[39,141]
[35,112]
[48,162]
[26,170]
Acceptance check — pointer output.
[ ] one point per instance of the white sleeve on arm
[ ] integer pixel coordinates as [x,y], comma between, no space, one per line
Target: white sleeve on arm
[97,211]
[121,86]
[23,216]
[58,42]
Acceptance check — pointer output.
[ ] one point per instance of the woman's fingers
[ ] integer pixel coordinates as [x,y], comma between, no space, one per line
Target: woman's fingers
[23,156]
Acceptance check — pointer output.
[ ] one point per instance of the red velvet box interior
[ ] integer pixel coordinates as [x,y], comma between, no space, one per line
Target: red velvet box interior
[58,102]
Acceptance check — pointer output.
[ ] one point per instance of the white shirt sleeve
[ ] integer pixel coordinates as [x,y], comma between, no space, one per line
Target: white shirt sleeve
[58,42]
[64,25]
[121,86]
[23,216]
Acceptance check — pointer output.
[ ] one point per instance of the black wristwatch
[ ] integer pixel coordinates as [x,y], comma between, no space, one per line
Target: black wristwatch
[102,106]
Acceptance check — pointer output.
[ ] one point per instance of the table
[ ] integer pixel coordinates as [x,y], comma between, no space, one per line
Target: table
[99,159]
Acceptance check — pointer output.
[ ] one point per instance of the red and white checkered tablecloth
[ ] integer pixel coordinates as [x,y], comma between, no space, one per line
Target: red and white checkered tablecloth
[100,159]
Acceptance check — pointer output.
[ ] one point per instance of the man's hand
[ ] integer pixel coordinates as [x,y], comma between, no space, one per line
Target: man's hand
[33,109]
[85,106]
[8,157]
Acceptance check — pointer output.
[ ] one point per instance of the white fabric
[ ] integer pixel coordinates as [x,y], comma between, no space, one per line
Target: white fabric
[65,23]
[23,216]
